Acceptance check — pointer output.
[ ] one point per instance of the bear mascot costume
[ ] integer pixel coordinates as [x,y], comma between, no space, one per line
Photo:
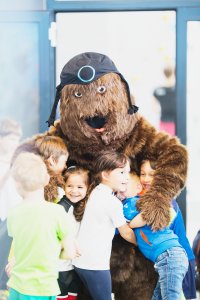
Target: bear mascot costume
[97,113]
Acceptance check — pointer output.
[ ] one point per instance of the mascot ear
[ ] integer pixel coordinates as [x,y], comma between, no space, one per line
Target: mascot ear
[53,111]
[132,108]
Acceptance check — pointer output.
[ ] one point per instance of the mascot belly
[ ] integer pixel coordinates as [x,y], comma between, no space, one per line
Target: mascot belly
[97,113]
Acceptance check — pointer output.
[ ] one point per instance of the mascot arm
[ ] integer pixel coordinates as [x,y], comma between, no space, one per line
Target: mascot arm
[169,180]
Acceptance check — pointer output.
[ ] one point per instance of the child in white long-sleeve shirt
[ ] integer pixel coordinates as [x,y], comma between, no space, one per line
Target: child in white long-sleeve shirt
[103,213]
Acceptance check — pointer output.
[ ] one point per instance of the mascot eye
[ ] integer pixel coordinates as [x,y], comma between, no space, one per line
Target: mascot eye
[77,94]
[101,89]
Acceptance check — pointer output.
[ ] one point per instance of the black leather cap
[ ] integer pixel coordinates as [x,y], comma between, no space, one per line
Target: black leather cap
[83,69]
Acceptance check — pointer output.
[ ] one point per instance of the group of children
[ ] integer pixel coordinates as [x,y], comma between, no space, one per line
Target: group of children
[73,236]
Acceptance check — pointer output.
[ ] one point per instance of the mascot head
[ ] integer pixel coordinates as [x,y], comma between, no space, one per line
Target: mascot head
[96,108]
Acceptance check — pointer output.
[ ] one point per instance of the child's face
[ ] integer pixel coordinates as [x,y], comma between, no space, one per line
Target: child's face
[57,166]
[75,188]
[134,186]
[117,179]
[146,175]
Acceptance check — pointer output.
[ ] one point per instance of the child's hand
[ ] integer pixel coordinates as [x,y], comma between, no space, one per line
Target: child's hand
[137,222]
[73,250]
[9,267]
[70,249]
[78,252]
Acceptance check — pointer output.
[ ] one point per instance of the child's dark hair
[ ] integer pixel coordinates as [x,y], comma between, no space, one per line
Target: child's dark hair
[108,161]
[79,207]
[152,162]
[134,167]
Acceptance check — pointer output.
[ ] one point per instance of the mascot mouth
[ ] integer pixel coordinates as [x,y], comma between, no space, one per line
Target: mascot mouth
[96,123]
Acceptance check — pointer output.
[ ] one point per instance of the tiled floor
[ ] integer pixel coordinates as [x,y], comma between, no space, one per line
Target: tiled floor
[4,295]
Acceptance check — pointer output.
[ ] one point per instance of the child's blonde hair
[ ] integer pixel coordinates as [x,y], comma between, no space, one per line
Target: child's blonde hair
[30,171]
[51,146]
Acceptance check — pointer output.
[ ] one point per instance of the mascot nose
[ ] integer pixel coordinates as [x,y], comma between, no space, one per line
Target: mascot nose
[86,73]
[96,122]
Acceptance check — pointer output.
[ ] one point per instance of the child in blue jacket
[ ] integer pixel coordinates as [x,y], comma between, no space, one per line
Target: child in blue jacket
[154,244]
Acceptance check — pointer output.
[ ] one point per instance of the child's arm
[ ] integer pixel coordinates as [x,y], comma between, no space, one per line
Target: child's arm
[69,249]
[137,222]
[127,233]
[10,266]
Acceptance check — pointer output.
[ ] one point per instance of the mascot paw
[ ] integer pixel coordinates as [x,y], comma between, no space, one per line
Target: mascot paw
[155,212]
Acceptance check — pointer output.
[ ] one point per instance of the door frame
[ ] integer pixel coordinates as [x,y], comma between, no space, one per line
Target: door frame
[185,11]
[120,5]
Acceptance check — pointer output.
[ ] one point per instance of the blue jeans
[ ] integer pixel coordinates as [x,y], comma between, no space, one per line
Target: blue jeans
[171,266]
[98,283]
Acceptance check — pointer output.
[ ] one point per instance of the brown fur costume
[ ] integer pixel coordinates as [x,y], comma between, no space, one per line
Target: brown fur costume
[131,134]
[105,99]
[94,117]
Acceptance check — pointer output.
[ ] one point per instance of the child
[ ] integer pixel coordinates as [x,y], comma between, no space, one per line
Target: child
[55,154]
[10,135]
[37,228]
[103,213]
[77,181]
[145,236]
[178,227]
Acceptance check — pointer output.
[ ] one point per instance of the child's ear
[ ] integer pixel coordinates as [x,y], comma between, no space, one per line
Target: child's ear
[105,175]
[51,160]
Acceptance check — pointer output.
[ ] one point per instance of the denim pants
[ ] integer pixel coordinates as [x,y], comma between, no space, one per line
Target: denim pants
[171,267]
[98,283]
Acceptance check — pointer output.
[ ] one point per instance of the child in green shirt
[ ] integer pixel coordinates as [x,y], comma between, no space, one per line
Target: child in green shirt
[39,229]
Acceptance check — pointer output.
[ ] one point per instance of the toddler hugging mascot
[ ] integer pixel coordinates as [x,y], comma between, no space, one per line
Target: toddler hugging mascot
[98,113]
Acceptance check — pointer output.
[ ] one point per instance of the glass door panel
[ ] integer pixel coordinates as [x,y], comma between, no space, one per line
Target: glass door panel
[19,60]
